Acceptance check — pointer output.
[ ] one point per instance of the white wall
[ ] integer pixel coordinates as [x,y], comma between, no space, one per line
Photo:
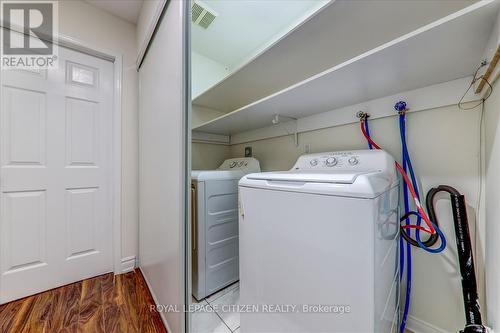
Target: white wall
[444,145]
[208,156]
[492,168]
[492,190]
[97,28]
[205,72]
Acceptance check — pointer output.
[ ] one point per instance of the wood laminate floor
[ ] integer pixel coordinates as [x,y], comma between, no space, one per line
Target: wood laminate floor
[104,304]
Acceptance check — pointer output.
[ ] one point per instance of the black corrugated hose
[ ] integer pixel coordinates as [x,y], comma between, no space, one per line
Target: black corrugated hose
[465,258]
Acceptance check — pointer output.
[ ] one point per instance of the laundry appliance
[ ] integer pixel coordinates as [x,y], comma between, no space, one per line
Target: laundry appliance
[214,195]
[321,240]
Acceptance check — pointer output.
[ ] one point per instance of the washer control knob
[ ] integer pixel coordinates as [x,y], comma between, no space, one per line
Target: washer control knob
[331,161]
[353,161]
[313,162]
[233,164]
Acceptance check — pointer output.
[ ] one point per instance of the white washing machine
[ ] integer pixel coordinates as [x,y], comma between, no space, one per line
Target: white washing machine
[214,195]
[321,241]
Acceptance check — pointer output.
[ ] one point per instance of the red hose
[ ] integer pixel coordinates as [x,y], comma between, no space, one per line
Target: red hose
[407,181]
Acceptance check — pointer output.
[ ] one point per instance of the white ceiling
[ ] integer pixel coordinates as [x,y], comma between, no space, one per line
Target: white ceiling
[244,27]
[126,9]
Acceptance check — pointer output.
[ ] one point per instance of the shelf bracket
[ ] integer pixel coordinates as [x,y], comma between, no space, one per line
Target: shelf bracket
[277,119]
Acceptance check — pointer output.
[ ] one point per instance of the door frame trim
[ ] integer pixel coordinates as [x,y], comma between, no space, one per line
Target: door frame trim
[116,168]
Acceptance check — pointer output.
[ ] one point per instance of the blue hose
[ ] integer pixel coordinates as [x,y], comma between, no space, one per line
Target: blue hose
[406,163]
[401,243]
[408,168]
[431,250]
[408,288]
[408,246]
[367,129]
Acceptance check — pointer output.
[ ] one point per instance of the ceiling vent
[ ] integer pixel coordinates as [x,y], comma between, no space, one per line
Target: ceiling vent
[202,15]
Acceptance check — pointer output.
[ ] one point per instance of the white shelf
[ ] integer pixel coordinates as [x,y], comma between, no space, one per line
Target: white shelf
[338,32]
[442,51]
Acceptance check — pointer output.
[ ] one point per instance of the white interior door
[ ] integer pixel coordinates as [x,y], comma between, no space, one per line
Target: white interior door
[55,178]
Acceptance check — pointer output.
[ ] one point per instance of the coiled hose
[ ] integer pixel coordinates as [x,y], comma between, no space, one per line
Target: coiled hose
[464,247]
[409,186]
[407,166]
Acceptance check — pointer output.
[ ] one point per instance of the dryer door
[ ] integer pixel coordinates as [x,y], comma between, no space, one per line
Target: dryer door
[221,234]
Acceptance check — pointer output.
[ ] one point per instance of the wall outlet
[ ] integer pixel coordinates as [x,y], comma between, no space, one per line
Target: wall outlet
[307,148]
[248,151]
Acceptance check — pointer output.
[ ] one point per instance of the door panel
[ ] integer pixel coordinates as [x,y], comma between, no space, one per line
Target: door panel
[55,175]
[25,133]
[26,224]
[82,129]
[80,221]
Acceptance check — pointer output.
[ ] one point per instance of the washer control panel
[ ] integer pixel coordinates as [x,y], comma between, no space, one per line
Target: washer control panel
[328,160]
[345,160]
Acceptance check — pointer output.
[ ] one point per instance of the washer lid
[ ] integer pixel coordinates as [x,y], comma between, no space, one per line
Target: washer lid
[361,184]
[358,173]
[310,176]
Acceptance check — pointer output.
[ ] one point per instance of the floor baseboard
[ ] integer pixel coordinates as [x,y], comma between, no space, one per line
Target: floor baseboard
[128,264]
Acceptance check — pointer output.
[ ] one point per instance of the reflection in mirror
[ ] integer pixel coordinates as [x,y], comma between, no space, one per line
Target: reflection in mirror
[226,35]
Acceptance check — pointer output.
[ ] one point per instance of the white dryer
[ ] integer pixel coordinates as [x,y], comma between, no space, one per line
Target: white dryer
[214,195]
[321,240]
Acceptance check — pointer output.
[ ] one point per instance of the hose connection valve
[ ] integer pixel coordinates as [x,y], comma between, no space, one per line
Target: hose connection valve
[400,107]
[362,115]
